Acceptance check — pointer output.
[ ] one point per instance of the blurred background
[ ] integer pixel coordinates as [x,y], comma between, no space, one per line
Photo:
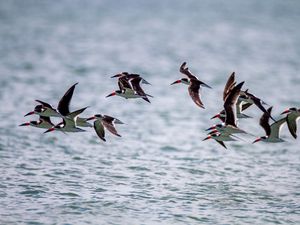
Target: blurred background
[160,171]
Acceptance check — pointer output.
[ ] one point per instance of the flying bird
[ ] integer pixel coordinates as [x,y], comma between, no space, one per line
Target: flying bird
[129,87]
[43,122]
[194,84]
[272,131]
[292,117]
[104,121]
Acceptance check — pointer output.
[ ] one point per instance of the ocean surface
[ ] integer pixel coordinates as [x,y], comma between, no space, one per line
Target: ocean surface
[160,171]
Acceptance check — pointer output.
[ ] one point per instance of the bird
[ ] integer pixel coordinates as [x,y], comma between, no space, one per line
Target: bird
[43,122]
[230,124]
[240,106]
[194,84]
[130,88]
[69,123]
[251,98]
[135,83]
[272,131]
[219,137]
[105,121]
[130,76]
[45,109]
[292,117]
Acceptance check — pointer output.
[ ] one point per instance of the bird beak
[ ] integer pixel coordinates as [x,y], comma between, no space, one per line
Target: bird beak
[30,113]
[112,94]
[49,130]
[91,118]
[213,132]
[216,116]
[285,111]
[117,75]
[208,137]
[211,128]
[176,82]
[24,124]
[258,139]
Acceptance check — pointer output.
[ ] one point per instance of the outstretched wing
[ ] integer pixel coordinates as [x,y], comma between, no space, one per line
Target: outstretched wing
[64,103]
[276,127]
[107,123]
[221,143]
[46,119]
[291,119]
[124,83]
[264,121]
[229,85]
[185,70]
[99,129]
[135,83]
[45,104]
[230,105]
[194,88]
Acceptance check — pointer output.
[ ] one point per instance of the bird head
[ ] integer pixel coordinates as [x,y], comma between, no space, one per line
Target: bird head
[293,109]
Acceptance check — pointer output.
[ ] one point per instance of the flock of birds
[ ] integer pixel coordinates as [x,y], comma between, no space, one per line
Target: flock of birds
[236,101]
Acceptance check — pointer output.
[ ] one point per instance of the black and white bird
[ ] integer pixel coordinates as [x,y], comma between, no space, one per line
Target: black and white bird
[230,124]
[194,84]
[104,121]
[292,117]
[129,76]
[69,123]
[219,137]
[62,111]
[129,87]
[44,109]
[43,122]
[272,131]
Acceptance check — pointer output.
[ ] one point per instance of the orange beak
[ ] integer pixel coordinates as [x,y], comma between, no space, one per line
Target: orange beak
[285,111]
[258,139]
[211,128]
[30,113]
[208,137]
[112,94]
[216,116]
[91,118]
[49,130]
[213,132]
[24,124]
[176,82]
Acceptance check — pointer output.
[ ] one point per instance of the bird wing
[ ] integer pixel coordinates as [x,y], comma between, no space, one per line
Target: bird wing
[107,123]
[276,127]
[185,70]
[291,119]
[246,106]
[135,83]
[258,102]
[229,85]
[46,119]
[230,105]
[64,103]
[124,83]
[221,143]
[45,104]
[194,88]
[264,121]
[99,129]
[74,114]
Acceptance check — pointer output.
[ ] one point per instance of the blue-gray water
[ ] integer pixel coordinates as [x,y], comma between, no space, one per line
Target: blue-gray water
[159,172]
